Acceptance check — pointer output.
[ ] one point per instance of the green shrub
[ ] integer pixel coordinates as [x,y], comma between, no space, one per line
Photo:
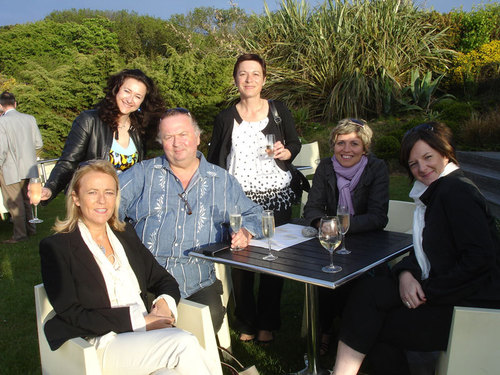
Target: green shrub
[387,147]
[454,114]
[477,27]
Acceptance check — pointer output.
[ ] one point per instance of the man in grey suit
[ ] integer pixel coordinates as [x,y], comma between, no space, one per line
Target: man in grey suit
[19,140]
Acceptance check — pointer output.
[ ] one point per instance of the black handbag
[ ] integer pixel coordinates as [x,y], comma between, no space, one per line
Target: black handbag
[299,182]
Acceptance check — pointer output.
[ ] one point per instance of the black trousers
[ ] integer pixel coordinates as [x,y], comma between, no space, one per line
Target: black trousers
[264,313]
[332,302]
[375,322]
[211,296]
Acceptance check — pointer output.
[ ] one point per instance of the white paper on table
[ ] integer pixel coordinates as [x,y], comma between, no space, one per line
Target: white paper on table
[284,236]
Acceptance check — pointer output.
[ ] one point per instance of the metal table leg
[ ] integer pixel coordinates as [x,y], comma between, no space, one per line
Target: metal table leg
[311,310]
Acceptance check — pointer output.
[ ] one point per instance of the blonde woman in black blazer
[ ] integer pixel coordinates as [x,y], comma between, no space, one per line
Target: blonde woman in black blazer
[97,275]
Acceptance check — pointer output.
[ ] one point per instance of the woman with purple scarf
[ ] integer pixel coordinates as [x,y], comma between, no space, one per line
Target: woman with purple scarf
[353,178]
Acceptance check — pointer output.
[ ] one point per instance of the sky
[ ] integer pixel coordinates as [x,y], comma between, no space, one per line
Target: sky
[22,11]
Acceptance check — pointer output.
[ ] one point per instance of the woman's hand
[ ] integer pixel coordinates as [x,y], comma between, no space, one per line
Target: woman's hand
[160,308]
[280,152]
[241,239]
[46,194]
[154,321]
[410,291]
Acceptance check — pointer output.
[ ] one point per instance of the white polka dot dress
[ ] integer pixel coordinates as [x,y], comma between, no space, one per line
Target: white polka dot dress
[259,175]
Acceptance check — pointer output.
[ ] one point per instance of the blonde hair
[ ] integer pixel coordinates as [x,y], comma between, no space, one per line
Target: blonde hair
[352,125]
[73,212]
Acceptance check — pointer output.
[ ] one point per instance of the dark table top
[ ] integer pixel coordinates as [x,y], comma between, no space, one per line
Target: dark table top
[303,262]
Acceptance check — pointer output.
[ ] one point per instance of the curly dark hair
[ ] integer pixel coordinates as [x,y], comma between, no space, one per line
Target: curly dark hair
[151,108]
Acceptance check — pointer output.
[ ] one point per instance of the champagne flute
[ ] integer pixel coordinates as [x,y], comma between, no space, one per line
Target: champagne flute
[35,189]
[268,231]
[270,140]
[330,237]
[235,222]
[344,219]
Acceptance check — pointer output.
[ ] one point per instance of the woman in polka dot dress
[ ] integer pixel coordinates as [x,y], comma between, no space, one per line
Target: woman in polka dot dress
[239,145]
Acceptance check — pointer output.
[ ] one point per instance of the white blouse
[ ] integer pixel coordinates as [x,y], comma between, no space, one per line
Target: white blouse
[121,283]
[248,161]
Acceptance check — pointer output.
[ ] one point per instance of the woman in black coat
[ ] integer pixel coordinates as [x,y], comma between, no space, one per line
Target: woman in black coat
[97,275]
[455,262]
[356,179]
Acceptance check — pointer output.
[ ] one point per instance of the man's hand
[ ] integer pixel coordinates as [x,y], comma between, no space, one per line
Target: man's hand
[241,239]
[410,291]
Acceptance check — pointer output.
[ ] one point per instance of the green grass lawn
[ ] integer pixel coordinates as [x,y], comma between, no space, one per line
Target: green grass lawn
[20,271]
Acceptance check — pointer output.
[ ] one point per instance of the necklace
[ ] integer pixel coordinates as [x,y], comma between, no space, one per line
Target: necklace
[126,124]
[102,248]
[110,257]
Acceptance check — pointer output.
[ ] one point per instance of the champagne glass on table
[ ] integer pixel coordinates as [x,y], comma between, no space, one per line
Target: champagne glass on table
[344,219]
[235,222]
[330,236]
[35,189]
[268,231]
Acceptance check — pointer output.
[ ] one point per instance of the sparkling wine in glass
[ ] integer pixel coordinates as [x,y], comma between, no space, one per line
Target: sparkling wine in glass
[268,231]
[235,222]
[344,219]
[35,189]
[330,236]
[270,140]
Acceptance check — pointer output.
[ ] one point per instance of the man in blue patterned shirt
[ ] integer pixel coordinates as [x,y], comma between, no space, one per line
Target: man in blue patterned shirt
[179,201]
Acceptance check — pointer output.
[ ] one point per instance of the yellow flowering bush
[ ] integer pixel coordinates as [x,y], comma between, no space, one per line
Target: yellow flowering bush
[479,64]
[6,84]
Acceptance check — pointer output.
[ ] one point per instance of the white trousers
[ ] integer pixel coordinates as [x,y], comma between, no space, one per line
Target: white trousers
[168,351]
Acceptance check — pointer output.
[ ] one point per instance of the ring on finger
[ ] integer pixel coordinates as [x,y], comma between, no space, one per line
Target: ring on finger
[407,304]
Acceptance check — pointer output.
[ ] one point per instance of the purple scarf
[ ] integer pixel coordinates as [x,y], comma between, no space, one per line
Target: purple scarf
[347,180]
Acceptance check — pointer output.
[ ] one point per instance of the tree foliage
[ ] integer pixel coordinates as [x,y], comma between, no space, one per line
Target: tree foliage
[343,58]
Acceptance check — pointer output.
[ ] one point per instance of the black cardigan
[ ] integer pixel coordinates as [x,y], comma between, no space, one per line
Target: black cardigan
[370,198]
[461,242]
[220,144]
[88,139]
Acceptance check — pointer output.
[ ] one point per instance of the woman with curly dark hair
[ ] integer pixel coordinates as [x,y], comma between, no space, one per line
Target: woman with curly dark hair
[115,130]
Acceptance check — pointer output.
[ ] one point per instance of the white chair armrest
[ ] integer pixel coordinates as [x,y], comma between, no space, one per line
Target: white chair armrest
[195,318]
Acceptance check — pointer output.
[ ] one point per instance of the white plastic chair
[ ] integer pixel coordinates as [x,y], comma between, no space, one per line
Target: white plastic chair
[474,343]
[45,167]
[3,209]
[400,216]
[303,201]
[308,156]
[400,220]
[78,357]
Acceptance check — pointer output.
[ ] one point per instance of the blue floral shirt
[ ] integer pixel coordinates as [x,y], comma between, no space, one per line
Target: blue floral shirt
[150,198]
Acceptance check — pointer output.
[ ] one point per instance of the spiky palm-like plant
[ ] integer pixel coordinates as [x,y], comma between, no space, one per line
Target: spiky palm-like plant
[345,58]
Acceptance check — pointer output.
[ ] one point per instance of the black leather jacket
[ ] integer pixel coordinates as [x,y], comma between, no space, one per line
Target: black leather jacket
[88,139]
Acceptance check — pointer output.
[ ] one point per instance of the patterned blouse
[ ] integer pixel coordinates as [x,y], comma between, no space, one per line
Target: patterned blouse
[123,158]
